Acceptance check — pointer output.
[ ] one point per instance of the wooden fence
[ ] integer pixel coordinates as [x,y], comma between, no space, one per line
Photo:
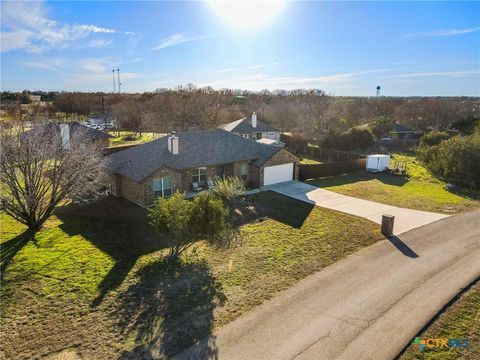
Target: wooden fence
[331,169]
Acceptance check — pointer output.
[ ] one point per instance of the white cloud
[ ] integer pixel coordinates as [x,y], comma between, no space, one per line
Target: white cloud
[99,43]
[462,73]
[176,39]
[447,32]
[46,64]
[29,28]
[261,81]
[221,71]
[254,67]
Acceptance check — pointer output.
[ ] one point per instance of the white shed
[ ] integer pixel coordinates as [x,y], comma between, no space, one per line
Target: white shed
[378,162]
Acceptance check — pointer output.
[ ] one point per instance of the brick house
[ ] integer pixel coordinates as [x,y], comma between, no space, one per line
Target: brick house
[251,128]
[163,166]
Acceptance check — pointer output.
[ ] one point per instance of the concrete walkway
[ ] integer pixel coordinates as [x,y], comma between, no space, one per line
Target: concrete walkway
[367,306]
[405,219]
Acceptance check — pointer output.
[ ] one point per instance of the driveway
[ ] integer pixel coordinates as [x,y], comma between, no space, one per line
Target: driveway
[405,219]
[367,306]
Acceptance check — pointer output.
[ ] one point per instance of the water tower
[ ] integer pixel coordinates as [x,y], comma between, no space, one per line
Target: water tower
[378,90]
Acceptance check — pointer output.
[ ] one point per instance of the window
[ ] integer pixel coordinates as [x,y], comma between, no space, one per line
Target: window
[259,136]
[199,174]
[244,171]
[162,187]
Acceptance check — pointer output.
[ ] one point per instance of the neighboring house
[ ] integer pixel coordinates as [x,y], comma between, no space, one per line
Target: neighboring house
[402,132]
[163,166]
[252,128]
[68,130]
[271,142]
[101,118]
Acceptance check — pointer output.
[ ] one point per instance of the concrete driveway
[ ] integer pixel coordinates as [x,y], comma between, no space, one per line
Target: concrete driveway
[367,306]
[405,219]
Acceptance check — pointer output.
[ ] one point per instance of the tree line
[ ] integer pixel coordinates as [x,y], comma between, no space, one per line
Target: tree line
[308,112]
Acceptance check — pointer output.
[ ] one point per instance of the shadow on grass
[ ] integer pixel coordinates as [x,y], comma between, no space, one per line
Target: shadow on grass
[169,309]
[117,227]
[404,248]
[385,178]
[283,208]
[10,248]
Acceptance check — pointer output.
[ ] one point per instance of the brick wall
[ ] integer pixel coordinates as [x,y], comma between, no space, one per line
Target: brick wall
[254,174]
[133,191]
[147,183]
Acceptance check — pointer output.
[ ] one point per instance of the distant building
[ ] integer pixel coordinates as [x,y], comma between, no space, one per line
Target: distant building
[100,118]
[402,132]
[251,128]
[67,130]
[35,98]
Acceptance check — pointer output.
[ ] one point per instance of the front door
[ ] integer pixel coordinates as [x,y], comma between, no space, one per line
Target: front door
[220,171]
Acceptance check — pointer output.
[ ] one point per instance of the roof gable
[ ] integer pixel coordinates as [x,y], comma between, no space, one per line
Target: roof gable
[244,126]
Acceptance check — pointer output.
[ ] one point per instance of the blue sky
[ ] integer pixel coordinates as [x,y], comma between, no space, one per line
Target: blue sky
[343,48]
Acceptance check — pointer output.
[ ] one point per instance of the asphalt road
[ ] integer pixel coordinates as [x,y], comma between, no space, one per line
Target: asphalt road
[368,306]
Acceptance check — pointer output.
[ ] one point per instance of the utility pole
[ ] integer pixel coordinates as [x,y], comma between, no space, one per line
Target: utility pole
[119,83]
[114,85]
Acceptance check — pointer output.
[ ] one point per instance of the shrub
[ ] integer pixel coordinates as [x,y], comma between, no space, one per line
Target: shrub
[433,138]
[129,137]
[208,216]
[456,160]
[229,189]
[181,222]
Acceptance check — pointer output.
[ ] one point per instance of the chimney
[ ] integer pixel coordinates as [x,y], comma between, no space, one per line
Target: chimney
[173,144]
[254,120]
[65,135]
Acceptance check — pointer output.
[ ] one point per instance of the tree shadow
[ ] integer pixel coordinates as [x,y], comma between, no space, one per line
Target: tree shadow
[385,178]
[404,248]
[10,248]
[169,309]
[117,227]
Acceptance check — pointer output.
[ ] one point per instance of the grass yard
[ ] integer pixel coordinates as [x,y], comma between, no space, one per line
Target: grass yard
[309,161]
[123,138]
[460,320]
[420,190]
[92,283]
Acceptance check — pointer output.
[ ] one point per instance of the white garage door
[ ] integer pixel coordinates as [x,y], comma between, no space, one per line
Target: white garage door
[277,173]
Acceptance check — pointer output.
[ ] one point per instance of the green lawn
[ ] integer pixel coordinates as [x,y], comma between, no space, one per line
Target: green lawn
[121,140]
[419,190]
[460,320]
[309,161]
[92,282]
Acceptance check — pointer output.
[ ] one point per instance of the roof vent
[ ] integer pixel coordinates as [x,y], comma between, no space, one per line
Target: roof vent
[173,144]
[254,120]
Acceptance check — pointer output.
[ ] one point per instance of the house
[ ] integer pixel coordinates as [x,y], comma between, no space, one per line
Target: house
[402,132]
[101,118]
[70,129]
[163,166]
[251,128]
[271,142]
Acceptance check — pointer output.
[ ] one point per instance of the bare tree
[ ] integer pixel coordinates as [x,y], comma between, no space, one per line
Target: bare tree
[39,169]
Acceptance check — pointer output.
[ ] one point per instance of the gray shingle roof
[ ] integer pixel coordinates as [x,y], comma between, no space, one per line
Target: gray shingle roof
[196,148]
[75,128]
[244,126]
[401,128]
